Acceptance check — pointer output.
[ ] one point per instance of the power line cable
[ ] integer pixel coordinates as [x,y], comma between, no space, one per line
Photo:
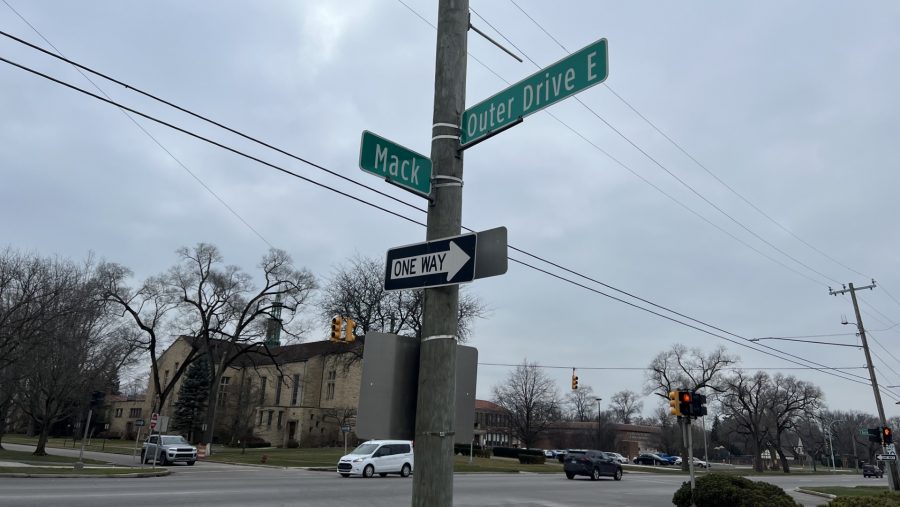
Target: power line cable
[687,154]
[645,180]
[145,131]
[644,368]
[823,368]
[320,167]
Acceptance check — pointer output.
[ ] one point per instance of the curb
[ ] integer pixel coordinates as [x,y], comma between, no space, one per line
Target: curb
[137,475]
[816,493]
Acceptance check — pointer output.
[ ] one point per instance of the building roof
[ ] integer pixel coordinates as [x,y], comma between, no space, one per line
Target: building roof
[257,355]
[487,406]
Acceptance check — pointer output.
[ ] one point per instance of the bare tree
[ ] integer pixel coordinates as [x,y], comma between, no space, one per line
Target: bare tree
[151,309]
[684,368]
[625,406]
[789,400]
[227,311]
[581,404]
[744,401]
[356,290]
[78,348]
[692,369]
[531,400]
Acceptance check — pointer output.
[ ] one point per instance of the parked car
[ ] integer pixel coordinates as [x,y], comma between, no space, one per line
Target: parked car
[380,457]
[549,454]
[672,460]
[168,449]
[592,464]
[872,471]
[700,463]
[650,459]
[618,458]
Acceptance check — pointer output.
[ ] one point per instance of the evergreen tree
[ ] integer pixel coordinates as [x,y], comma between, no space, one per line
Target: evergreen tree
[190,408]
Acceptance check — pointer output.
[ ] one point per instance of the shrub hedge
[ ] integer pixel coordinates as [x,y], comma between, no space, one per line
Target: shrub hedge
[530,459]
[515,452]
[719,490]
[883,499]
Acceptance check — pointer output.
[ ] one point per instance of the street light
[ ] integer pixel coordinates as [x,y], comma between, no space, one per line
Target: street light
[598,421]
[830,444]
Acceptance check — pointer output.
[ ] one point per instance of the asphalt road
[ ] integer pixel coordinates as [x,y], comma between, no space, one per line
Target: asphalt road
[211,484]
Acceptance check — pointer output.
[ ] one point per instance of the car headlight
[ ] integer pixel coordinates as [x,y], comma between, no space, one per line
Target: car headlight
[357,460]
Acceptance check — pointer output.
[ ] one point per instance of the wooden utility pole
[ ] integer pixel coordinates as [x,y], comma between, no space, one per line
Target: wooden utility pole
[893,478]
[436,399]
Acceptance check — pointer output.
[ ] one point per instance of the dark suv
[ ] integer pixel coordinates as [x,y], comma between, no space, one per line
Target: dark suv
[872,471]
[592,464]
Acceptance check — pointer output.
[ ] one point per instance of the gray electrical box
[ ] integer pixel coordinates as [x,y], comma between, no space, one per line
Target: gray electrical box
[390,378]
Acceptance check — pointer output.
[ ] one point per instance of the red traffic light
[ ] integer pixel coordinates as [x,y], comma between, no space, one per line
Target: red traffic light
[685,397]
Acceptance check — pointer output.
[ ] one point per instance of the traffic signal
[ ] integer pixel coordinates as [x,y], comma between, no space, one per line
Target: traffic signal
[674,403]
[348,332]
[685,403]
[887,436]
[336,328]
[698,405]
[875,434]
[574,382]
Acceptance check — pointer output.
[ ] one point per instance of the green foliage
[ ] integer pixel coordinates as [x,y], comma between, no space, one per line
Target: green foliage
[883,499]
[190,408]
[529,459]
[464,449]
[722,490]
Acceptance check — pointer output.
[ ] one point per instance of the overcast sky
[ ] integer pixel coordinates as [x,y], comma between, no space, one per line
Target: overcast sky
[793,104]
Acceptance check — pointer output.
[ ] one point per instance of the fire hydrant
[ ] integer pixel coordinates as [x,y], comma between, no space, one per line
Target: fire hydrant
[264,458]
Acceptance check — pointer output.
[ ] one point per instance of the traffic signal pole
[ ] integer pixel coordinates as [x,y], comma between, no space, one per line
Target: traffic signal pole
[893,478]
[436,399]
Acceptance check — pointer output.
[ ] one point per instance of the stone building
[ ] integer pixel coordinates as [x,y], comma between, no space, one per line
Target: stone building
[303,392]
[122,412]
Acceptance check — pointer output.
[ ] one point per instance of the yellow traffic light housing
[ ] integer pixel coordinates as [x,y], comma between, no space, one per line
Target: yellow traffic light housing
[349,331]
[336,324]
[574,381]
[675,403]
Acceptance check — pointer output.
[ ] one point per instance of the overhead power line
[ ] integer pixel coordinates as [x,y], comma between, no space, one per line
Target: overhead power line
[823,368]
[644,368]
[145,131]
[692,158]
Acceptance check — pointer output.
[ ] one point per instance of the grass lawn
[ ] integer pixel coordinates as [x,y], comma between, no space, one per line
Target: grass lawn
[499,465]
[316,457]
[29,459]
[114,446]
[71,471]
[848,491]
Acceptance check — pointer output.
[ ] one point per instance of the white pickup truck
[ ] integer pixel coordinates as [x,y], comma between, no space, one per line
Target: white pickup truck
[168,449]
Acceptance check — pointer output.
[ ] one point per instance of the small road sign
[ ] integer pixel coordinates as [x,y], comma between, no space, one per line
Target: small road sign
[577,72]
[445,261]
[396,164]
[139,423]
[886,457]
[345,429]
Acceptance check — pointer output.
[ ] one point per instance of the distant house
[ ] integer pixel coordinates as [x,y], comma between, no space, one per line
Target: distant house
[492,426]
[121,414]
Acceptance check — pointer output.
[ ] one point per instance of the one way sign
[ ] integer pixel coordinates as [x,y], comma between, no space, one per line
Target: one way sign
[445,261]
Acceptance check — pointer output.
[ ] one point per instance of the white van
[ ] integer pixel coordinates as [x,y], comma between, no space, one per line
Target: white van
[380,457]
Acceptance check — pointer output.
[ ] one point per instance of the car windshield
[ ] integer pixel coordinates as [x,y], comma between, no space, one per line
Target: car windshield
[365,449]
[174,441]
[576,453]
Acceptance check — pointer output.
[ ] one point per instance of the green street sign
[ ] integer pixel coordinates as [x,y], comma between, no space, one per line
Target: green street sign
[396,164]
[574,73]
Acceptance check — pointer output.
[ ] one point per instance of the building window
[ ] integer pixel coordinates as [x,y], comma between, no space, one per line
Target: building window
[223,392]
[329,387]
[118,412]
[262,392]
[295,392]
[280,380]
[280,418]
[269,420]
[134,412]
[259,423]
[165,379]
